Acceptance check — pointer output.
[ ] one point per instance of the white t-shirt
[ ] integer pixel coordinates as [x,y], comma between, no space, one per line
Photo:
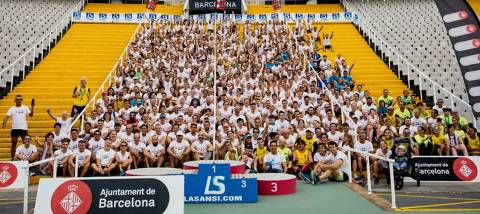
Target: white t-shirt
[381,154]
[123,157]
[65,123]
[19,117]
[343,157]
[26,152]
[201,148]
[179,147]
[105,156]
[156,150]
[364,147]
[275,160]
[60,153]
[137,147]
[317,157]
[82,156]
[96,145]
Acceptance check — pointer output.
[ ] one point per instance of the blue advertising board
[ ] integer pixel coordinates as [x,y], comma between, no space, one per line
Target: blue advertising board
[213,185]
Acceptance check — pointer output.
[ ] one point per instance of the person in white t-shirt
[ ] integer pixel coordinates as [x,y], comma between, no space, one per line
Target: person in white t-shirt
[26,151]
[336,168]
[18,113]
[274,161]
[83,157]
[359,160]
[320,158]
[64,120]
[381,166]
[136,150]
[202,148]
[105,160]
[64,155]
[96,143]
[178,151]
[123,158]
[154,153]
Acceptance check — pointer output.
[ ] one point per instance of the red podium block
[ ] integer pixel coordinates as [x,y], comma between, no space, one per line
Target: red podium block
[273,183]
[236,167]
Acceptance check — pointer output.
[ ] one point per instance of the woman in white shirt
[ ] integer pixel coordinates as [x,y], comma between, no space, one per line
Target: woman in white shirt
[123,158]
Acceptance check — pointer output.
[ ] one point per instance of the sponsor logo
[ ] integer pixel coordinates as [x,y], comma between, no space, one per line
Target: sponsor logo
[465,169]
[8,174]
[71,197]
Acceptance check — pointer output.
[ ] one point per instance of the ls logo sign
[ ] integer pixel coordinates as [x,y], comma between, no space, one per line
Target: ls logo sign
[213,185]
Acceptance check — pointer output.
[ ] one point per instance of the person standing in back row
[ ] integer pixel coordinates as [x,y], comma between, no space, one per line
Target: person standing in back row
[81,96]
[19,121]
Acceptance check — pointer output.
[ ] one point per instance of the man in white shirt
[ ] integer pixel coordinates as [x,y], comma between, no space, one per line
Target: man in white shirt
[274,162]
[62,162]
[178,151]
[96,143]
[104,162]
[18,113]
[201,149]
[83,157]
[359,160]
[136,149]
[154,153]
[65,121]
[26,151]
[337,167]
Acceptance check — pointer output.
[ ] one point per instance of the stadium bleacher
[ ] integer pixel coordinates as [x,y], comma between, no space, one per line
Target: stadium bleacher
[24,22]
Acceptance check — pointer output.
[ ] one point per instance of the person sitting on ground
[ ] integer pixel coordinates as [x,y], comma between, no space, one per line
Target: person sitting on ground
[302,159]
[123,158]
[154,153]
[83,157]
[274,161]
[104,160]
[337,167]
[64,155]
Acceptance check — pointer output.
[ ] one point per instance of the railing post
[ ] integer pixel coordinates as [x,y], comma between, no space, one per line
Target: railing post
[392,185]
[349,155]
[12,73]
[24,65]
[34,56]
[55,162]
[369,180]
[420,86]
[408,75]
[25,187]
[76,165]
[452,105]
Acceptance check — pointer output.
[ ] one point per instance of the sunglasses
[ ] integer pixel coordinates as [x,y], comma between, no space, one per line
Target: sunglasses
[123,145]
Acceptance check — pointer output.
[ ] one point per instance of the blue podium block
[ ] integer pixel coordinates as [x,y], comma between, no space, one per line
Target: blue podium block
[213,185]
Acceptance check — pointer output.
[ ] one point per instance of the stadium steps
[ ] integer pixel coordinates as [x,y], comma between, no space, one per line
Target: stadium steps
[131,8]
[369,70]
[89,50]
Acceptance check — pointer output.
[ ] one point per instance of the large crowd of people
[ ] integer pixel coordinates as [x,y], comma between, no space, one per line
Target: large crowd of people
[198,91]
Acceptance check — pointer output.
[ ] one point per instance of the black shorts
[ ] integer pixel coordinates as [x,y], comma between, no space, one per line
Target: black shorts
[328,46]
[18,133]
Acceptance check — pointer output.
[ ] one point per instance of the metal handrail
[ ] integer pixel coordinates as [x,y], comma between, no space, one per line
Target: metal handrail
[40,42]
[369,180]
[26,170]
[108,79]
[330,94]
[435,86]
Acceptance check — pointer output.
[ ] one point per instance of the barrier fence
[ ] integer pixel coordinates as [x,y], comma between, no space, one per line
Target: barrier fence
[369,180]
[54,174]
[45,43]
[410,70]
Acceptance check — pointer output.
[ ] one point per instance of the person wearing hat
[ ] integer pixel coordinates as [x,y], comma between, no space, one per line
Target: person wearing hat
[178,151]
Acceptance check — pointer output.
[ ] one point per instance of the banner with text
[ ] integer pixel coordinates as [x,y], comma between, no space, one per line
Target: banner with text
[120,195]
[12,174]
[212,6]
[441,168]
[149,17]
